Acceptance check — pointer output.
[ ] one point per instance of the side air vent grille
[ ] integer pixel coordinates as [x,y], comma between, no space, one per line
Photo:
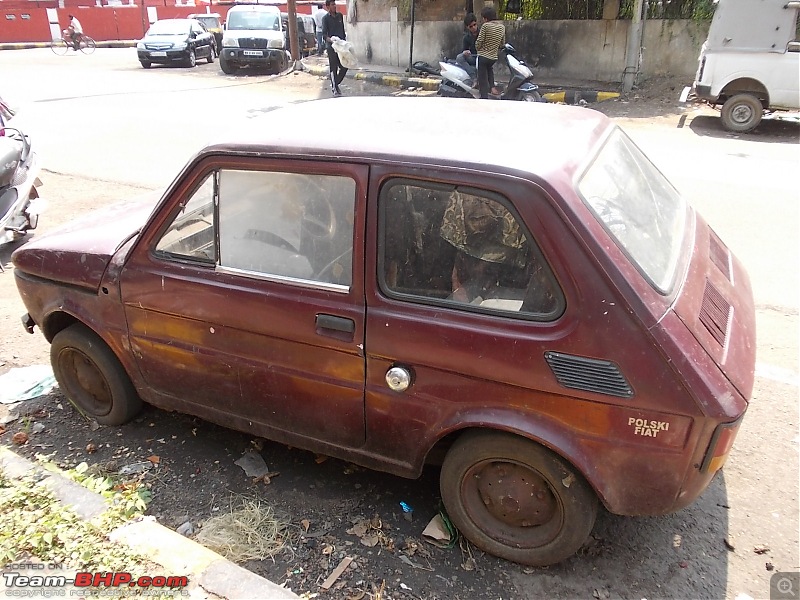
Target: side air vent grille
[715,313]
[589,374]
[720,256]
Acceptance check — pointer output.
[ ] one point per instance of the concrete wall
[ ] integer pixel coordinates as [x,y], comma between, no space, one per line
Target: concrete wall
[592,50]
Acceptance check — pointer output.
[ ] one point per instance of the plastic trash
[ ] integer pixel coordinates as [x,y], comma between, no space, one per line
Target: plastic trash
[25,383]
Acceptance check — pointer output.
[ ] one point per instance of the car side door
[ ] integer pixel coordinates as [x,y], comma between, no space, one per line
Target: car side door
[244,297]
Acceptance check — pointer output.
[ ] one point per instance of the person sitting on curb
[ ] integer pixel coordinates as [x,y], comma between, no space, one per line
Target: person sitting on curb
[466,59]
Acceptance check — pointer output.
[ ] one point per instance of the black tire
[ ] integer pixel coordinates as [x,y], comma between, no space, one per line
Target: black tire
[211,54]
[226,67]
[91,376]
[145,63]
[742,113]
[515,499]
[531,97]
[191,59]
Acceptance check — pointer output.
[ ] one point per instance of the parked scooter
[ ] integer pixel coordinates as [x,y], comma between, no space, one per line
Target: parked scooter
[456,82]
[20,204]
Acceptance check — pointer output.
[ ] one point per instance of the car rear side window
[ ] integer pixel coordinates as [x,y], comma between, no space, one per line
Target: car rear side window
[463,248]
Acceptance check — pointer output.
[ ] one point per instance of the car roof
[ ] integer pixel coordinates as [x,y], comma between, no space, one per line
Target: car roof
[493,135]
[254,7]
[200,15]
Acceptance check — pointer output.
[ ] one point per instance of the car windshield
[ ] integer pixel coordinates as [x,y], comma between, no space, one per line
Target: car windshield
[639,207]
[209,22]
[253,20]
[169,28]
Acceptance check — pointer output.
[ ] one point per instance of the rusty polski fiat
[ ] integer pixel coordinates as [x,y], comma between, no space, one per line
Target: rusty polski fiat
[551,322]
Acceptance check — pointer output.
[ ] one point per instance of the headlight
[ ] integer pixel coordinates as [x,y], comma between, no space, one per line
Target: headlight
[139,46]
[275,43]
[180,45]
[228,42]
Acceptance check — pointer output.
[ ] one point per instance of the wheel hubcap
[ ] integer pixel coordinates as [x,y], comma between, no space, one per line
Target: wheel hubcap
[742,113]
[86,383]
[512,503]
[515,495]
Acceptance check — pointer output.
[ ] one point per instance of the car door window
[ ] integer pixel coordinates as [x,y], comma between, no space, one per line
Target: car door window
[463,248]
[287,225]
[284,225]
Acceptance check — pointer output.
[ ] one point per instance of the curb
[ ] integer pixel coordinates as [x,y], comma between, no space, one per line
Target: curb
[208,572]
[424,83]
[579,96]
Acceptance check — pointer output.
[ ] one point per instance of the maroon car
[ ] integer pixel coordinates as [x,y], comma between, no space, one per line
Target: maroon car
[550,317]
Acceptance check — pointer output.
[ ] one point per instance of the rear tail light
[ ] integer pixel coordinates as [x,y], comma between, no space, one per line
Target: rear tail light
[720,446]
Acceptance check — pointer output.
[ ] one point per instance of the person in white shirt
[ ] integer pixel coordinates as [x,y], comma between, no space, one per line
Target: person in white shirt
[75,30]
[319,14]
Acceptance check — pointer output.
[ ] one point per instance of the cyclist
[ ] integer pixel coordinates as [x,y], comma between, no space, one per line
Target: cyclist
[74,31]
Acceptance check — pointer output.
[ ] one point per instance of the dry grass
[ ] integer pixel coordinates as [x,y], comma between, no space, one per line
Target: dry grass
[249,531]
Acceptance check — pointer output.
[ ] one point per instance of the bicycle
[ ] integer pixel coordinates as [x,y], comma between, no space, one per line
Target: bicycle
[85,44]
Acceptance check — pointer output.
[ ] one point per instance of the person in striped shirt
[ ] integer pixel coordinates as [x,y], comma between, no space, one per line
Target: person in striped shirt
[491,37]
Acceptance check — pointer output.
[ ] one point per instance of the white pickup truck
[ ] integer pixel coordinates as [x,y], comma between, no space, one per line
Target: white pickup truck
[750,62]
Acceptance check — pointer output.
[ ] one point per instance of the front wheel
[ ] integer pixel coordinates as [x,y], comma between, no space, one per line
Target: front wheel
[87,44]
[91,376]
[516,499]
[191,59]
[226,66]
[742,113]
[59,47]
[145,63]
[531,97]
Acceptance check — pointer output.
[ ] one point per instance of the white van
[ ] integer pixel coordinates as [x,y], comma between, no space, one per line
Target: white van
[751,61]
[253,36]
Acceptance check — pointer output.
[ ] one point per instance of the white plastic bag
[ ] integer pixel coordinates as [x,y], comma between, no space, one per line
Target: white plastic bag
[346,52]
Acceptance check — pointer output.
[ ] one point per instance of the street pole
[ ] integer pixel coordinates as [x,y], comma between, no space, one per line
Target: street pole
[411,44]
[634,48]
[291,10]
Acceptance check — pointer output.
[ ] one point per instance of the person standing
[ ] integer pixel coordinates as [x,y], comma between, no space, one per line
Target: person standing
[466,60]
[319,14]
[333,26]
[491,37]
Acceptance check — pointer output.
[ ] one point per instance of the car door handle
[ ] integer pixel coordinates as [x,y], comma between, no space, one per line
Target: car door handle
[335,323]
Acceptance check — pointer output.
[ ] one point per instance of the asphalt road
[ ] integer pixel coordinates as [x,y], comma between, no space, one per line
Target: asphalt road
[106,129]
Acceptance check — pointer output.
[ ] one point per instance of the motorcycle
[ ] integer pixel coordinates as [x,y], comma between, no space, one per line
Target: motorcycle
[456,82]
[20,204]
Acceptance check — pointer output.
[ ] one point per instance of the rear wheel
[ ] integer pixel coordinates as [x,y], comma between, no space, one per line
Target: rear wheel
[211,54]
[742,113]
[59,47]
[87,45]
[91,376]
[516,499]
[531,97]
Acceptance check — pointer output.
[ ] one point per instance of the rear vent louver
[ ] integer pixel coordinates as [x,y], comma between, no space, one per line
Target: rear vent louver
[715,313]
[720,256]
[589,374]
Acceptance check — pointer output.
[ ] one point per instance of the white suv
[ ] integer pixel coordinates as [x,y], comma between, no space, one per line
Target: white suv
[253,36]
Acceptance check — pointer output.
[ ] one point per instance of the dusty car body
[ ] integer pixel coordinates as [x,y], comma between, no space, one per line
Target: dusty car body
[175,40]
[554,320]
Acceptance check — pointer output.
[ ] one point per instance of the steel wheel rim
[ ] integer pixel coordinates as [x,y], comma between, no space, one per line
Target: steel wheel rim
[85,382]
[512,503]
[742,114]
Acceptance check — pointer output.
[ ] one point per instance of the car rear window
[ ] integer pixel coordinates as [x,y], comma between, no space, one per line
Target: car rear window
[643,212]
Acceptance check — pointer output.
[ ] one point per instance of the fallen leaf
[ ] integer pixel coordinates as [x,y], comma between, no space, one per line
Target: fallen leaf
[328,549]
[20,438]
[306,524]
[761,549]
[370,540]
[154,459]
[320,458]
